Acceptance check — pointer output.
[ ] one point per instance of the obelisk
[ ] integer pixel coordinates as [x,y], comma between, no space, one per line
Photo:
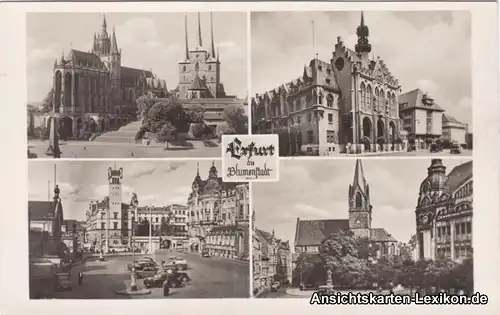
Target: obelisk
[53,149]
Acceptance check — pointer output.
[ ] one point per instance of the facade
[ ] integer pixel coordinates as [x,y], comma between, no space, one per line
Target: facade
[453,130]
[94,86]
[422,118]
[45,221]
[444,212]
[72,234]
[200,79]
[218,217]
[256,259]
[350,99]
[309,234]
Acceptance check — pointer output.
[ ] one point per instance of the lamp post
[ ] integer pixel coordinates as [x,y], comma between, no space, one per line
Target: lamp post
[133,282]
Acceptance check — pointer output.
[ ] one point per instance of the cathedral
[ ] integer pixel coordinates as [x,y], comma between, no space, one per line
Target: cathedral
[218,216]
[200,78]
[444,212]
[351,99]
[309,234]
[95,86]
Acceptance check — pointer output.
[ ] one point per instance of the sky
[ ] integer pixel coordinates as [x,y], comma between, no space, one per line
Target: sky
[312,190]
[155,183]
[148,40]
[430,50]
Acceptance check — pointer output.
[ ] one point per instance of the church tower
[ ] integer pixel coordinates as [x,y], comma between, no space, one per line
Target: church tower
[360,209]
[363,47]
[199,71]
[114,214]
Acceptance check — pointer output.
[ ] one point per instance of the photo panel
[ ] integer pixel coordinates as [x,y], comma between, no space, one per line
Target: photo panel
[373,83]
[134,85]
[137,230]
[377,225]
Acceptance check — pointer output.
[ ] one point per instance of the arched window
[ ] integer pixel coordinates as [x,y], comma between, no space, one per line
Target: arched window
[381,100]
[359,200]
[320,98]
[184,69]
[363,96]
[209,67]
[369,96]
[376,98]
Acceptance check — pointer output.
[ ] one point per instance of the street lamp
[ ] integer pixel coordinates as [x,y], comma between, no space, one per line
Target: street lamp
[133,282]
[150,229]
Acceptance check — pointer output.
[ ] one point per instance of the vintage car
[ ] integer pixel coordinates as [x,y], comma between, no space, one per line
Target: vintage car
[180,263]
[455,148]
[176,279]
[146,272]
[275,286]
[140,265]
[205,254]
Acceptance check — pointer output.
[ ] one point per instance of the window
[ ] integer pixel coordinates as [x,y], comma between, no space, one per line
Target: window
[359,201]
[363,96]
[469,227]
[320,99]
[297,105]
[429,121]
[209,67]
[115,225]
[103,226]
[310,136]
[330,118]
[369,97]
[115,215]
[330,136]
[309,117]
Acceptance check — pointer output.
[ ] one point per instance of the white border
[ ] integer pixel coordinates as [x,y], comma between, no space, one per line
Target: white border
[14,267]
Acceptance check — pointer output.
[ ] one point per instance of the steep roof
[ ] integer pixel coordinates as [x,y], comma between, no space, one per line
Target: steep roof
[133,72]
[414,99]
[359,176]
[447,118]
[86,58]
[69,225]
[198,84]
[381,235]
[313,232]
[41,210]
[458,175]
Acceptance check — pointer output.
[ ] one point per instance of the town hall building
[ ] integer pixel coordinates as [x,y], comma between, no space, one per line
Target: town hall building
[350,100]
[309,234]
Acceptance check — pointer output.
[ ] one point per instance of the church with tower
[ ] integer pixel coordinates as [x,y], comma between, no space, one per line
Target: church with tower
[309,234]
[94,86]
[351,99]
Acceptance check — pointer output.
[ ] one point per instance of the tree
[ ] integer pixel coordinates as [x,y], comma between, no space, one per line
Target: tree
[167,133]
[197,130]
[309,269]
[48,101]
[224,129]
[144,103]
[195,113]
[166,227]
[236,119]
[166,110]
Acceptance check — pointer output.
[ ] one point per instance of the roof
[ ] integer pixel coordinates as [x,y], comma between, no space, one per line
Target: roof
[458,175]
[198,84]
[133,72]
[41,210]
[313,232]
[69,225]
[414,99]
[447,118]
[381,235]
[226,229]
[81,57]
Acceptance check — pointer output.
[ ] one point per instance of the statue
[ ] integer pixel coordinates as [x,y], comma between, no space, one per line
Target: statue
[134,201]
[56,193]
[329,281]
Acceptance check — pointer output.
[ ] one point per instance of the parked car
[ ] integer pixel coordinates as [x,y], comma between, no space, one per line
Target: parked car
[455,148]
[275,286]
[141,265]
[176,279]
[63,282]
[181,263]
[146,272]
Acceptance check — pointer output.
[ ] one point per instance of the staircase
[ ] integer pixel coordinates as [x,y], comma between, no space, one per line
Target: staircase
[125,134]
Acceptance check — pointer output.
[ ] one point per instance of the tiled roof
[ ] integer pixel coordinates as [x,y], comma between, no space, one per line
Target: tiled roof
[413,99]
[458,175]
[41,210]
[447,118]
[313,232]
[381,235]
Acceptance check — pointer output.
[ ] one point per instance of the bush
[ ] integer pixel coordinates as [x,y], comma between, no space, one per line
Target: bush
[236,119]
[196,130]
[140,134]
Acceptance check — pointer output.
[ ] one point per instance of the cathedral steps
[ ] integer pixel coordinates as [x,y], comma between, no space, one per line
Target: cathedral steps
[126,134]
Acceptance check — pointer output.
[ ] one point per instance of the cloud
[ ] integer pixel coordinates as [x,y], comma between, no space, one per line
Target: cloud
[141,169]
[40,55]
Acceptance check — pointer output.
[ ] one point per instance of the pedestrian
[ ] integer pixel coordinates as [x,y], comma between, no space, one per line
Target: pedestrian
[80,278]
[166,287]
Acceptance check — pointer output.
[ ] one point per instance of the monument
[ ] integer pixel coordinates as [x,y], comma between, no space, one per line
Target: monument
[328,287]
[53,149]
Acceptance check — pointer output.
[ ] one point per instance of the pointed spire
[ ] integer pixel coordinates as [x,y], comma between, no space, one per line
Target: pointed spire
[62,57]
[362,19]
[114,44]
[212,34]
[55,63]
[186,34]
[197,169]
[359,176]
[213,163]
[200,42]
[304,74]
[217,53]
